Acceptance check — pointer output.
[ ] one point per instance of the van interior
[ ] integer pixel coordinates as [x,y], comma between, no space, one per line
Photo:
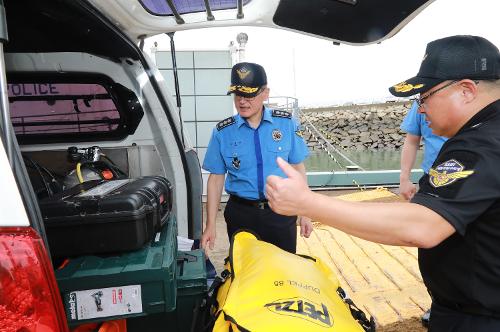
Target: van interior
[114,179]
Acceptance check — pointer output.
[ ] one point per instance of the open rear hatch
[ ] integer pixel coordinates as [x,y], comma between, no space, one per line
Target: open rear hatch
[356,22]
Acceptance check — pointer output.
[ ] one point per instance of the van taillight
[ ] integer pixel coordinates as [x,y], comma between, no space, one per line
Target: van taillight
[29,296]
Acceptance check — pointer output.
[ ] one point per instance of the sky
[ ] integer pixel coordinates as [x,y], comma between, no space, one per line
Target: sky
[318,73]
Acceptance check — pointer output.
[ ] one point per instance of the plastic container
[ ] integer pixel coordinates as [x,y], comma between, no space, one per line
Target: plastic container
[132,284]
[191,279]
[106,217]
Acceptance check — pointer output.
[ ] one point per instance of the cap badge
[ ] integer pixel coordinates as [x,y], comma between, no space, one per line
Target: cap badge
[447,173]
[242,73]
[277,135]
[405,87]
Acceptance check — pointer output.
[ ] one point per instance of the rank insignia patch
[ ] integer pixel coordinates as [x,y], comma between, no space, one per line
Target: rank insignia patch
[277,135]
[225,123]
[447,173]
[281,114]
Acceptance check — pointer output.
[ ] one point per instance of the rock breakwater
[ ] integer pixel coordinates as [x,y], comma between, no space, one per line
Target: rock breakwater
[358,127]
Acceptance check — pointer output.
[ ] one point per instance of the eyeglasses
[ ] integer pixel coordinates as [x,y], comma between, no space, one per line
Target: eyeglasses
[250,99]
[421,101]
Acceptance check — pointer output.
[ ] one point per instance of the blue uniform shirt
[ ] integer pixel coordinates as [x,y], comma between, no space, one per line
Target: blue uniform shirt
[414,123]
[248,155]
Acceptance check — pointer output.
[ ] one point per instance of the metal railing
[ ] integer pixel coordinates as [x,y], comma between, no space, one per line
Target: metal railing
[289,104]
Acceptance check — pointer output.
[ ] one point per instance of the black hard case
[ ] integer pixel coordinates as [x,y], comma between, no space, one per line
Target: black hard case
[79,222]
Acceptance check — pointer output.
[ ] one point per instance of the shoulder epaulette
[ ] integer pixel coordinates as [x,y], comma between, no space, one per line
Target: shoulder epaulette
[282,114]
[225,123]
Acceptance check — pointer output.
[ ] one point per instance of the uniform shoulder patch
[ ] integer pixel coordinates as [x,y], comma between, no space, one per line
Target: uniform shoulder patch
[225,123]
[281,114]
[448,172]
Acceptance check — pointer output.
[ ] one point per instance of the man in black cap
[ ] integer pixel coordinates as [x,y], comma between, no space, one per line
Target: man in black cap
[245,147]
[454,218]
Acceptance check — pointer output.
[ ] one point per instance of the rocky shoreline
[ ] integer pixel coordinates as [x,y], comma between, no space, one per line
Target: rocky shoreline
[358,127]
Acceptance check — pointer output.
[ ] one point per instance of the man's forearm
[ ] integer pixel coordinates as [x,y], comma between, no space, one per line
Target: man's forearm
[388,223]
[215,185]
[407,224]
[408,156]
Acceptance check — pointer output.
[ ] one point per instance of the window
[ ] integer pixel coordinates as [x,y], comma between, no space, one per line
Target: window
[43,108]
[71,109]
[161,7]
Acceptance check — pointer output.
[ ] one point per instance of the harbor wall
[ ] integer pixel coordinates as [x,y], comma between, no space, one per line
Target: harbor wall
[358,127]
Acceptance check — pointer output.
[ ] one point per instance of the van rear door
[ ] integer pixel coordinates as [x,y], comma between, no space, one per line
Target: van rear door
[355,22]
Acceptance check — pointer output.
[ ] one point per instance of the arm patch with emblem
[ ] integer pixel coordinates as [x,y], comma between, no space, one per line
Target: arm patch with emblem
[282,114]
[449,173]
[225,123]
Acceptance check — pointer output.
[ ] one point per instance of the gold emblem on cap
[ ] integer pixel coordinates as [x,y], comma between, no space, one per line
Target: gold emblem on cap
[405,87]
[242,73]
[245,89]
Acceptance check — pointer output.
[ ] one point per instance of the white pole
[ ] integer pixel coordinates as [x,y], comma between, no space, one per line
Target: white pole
[242,39]
[233,50]
[154,49]
[293,73]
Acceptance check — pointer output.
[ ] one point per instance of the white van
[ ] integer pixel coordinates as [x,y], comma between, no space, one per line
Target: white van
[85,118]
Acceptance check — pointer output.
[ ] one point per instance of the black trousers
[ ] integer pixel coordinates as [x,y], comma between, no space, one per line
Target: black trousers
[444,319]
[266,224]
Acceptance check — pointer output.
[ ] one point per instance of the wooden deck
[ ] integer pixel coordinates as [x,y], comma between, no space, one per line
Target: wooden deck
[382,280]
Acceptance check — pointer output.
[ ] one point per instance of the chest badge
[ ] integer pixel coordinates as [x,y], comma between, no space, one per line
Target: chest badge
[446,173]
[236,162]
[277,135]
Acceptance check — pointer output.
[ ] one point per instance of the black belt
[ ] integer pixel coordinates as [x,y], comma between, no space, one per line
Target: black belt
[259,204]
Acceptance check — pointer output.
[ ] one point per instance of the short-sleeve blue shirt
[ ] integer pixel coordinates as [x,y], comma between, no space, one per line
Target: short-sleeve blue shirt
[414,123]
[248,155]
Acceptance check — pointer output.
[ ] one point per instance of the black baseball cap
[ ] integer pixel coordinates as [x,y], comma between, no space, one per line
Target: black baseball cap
[452,58]
[247,79]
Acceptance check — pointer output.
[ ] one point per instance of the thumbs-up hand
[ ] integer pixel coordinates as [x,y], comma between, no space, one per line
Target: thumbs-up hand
[287,196]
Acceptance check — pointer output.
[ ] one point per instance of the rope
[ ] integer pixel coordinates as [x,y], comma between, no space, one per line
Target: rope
[323,146]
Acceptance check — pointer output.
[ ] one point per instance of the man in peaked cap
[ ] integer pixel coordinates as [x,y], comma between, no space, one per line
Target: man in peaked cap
[245,147]
[454,218]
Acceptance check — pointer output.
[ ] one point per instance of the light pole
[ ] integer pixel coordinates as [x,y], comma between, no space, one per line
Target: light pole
[233,50]
[242,39]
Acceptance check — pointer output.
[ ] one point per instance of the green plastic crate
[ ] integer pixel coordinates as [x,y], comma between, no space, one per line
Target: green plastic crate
[133,284]
[191,288]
